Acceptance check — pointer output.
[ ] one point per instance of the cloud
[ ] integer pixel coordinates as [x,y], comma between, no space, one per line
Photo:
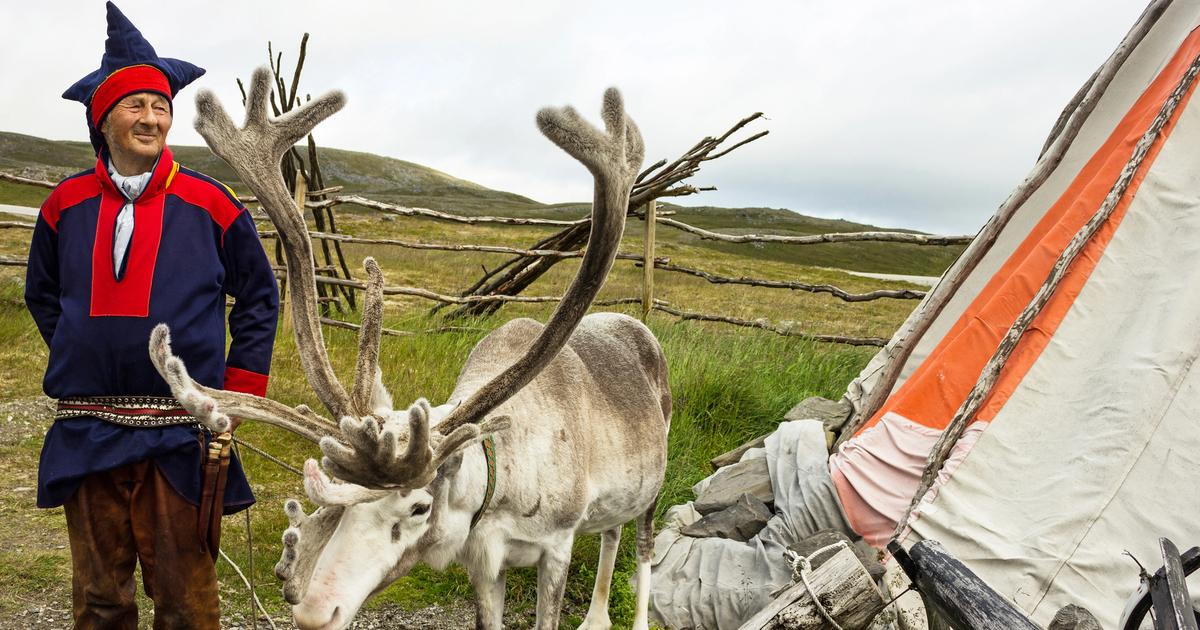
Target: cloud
[910,115]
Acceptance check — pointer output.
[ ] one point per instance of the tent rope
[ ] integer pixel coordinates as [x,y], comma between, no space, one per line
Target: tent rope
[991,370]
[802,567]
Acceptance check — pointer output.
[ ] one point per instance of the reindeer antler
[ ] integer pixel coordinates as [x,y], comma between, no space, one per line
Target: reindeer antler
[202,402]
[254,152]
[375,455]
[614,157]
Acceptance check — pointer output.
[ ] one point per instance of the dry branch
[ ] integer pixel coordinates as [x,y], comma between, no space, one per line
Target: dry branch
[17,179]
[405,211]
[813,239]
[763,324]
[943,292]
[16,224]
[449,247]
[517,274]
[8,261]
[901,294]
[991,370]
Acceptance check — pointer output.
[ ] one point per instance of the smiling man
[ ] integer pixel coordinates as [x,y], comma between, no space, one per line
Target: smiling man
[117,249]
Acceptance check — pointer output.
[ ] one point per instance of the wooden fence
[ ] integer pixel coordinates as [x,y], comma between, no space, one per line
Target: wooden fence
[646,260]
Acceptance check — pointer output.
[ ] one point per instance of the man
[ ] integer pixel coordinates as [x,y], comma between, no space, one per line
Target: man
[136,241]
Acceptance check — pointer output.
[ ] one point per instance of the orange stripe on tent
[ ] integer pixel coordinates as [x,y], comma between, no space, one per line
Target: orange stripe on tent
[937,388]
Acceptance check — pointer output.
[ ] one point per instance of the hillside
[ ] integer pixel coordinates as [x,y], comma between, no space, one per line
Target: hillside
[398,181]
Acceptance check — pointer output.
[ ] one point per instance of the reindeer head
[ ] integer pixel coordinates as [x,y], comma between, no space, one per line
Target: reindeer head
[386,506]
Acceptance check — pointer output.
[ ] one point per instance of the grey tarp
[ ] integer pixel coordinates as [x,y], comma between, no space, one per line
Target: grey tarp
[716,584]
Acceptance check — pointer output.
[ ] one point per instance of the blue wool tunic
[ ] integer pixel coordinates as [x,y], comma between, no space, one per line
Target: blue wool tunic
[193,243]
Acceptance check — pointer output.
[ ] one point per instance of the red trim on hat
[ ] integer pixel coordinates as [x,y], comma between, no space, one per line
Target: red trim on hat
[122,83]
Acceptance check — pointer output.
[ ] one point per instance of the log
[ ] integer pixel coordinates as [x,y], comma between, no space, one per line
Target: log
[648,261]
[735,456]
[814,239]
[842,586]
[954,591]
[1072,617]
[763,324]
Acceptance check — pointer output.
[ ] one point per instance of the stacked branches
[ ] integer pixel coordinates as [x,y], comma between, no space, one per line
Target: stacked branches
[661,179]
[299,176]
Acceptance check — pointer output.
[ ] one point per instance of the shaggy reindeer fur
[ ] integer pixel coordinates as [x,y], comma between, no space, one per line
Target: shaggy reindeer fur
[579,410]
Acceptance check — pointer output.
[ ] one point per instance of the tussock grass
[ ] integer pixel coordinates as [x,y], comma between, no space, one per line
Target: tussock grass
[729,385]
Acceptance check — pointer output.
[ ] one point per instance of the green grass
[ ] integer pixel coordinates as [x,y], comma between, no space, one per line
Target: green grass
[729,385]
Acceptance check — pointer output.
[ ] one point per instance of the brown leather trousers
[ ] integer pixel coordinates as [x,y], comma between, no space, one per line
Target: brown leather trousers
[132,515]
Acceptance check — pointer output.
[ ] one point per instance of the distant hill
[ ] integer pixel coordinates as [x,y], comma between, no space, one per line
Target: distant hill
[398,181]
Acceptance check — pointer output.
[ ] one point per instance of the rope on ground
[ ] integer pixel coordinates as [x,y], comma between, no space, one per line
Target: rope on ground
[253,595]
[268,456]
[250,554]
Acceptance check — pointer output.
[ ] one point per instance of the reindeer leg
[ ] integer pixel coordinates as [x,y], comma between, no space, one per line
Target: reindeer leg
[645,552]
[552,581]
[597,615]
[489,600]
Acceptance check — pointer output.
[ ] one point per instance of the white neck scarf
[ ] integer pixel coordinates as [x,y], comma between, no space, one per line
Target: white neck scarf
[132,188]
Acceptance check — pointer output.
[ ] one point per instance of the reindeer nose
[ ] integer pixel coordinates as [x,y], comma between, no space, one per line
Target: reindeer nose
[308,617]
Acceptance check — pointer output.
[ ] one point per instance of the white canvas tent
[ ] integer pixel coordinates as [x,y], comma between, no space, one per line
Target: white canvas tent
[1088,443]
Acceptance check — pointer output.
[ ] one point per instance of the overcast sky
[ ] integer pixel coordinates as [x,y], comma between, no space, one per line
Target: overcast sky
[903,114]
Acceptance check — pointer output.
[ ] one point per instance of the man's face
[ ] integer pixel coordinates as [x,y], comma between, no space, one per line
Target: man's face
[136,128]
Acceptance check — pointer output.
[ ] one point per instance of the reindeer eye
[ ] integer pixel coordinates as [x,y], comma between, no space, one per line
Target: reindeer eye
[420,508]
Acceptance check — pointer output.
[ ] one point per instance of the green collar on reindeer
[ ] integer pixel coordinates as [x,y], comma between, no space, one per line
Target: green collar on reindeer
[489,457]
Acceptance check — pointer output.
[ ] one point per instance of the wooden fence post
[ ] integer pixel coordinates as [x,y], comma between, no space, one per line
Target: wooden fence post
[648,262]
[301,195]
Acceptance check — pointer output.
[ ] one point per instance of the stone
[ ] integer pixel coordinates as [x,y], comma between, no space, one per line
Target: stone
[723,488]
[740,521]
[832,413]
[867,555]
[1072,617]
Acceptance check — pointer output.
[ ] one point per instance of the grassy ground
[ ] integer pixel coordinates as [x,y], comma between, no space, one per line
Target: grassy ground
[729,385]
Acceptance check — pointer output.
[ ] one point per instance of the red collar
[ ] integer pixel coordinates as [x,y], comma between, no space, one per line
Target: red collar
[164,172]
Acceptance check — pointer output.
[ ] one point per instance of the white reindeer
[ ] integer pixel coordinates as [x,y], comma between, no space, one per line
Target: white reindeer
[577,411]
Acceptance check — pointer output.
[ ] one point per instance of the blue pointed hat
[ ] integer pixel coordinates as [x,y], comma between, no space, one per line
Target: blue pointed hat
[129,65]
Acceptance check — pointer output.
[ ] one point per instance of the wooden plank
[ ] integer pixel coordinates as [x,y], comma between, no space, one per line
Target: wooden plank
[1169,592]
[966,601]
[648,262]
[842,587]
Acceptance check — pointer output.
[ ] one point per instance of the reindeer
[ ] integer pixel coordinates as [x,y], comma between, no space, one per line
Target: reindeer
[551,431]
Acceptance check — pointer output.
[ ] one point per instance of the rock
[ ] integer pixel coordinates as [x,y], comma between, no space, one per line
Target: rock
[723,488]
[740,521]
[832,414]
[1072,617]
[866,554]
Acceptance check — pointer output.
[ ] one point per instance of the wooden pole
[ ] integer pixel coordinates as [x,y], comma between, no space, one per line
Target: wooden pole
[955,591]
[846,592]
[301,194]
[648,266]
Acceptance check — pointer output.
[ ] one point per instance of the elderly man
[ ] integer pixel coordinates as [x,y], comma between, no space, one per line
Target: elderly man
[136,241]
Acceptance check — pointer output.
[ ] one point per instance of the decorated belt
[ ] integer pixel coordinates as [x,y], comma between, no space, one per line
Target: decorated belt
[130,411]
